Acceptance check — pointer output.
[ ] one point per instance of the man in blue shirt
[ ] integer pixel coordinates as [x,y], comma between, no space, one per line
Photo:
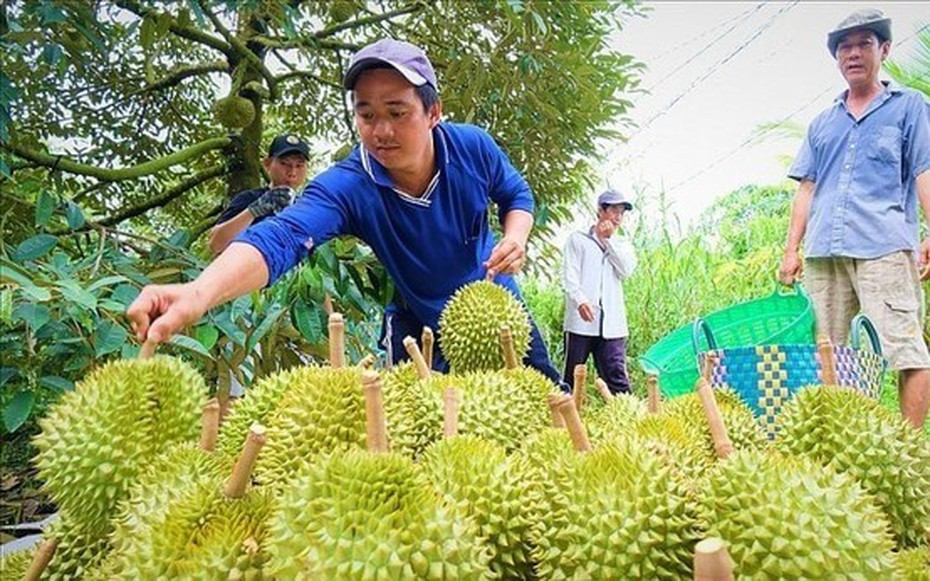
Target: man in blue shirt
[416,190]
[863,169]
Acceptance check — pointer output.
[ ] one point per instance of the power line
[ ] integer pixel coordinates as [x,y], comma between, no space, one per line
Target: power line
[693,39]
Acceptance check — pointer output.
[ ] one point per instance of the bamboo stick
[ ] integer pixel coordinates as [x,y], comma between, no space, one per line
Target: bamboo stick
[450,419]
[710,361]
[580,377]
[337,341]
[654,398]
[579,436]
[367,361]
[510,353]
[242,472]
[413,350]
[718,430]
[602,389]
[553,401]
[827,360]
[375,424]
[712,561]
[427,340]
[147,351]
[41,559]
[209,425]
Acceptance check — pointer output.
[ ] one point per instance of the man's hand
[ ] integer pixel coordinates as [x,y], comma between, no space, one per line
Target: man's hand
[923,259]
[586,312]
[272,201]
[604,229]
[507,257]
[791,267]
[160,311]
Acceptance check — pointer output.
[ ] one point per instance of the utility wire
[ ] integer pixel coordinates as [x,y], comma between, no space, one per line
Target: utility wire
[715,28]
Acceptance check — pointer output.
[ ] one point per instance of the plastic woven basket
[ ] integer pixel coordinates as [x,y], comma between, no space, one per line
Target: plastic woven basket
[785,316]
[767,376]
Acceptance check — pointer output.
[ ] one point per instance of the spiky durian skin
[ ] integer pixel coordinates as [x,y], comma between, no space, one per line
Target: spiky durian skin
[481,482]
[743,429]
[680,444]
[357,515]
[259,402]
[851,433]
[14,565]
[234,112]
[470,327]
[97,438]
[412,411]
[913,564]
[614,416]
[789,518]
[624,514]
[82,548]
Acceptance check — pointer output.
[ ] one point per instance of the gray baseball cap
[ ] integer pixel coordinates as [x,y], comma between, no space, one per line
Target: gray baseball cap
[613,197]
[407,59]
[865,19]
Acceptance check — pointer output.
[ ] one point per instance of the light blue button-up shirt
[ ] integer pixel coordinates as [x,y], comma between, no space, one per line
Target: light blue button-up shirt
[865,199]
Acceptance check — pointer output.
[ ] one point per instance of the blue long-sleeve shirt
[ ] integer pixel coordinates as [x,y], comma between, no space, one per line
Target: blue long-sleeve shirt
[430,245]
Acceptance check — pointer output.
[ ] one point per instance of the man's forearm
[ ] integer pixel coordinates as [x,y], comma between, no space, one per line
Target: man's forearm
[800,210]
[923,195]
[239,270]
[517,226]
[223,234]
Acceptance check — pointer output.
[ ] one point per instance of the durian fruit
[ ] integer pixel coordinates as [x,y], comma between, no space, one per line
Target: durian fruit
[82,547]
[617,414]
[479,481]
[743,429]
[234,112]
[913,564]
[13,565]
[470,327]
[98,438]
[681,444]
[847,431]
[790,518]
[620,512]
[414,413]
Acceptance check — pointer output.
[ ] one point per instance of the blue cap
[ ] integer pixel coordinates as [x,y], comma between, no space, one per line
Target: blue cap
[407,59]
[288,143]
[613,197]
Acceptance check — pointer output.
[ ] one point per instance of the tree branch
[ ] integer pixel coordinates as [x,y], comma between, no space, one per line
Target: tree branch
[64,164]
[170,194]
[181,73]
[304,42]
[307,75]
[373,19]
[187,32]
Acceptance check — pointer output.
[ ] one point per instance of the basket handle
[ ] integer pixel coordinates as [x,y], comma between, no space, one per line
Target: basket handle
[789,290]
[699,326]
[859,323]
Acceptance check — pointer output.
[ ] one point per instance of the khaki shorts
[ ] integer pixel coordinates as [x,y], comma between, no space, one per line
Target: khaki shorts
[886,290]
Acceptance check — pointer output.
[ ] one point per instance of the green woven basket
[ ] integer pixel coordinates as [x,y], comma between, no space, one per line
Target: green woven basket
[785,316]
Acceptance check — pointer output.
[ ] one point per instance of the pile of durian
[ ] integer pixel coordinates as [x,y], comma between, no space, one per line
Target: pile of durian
[342,472]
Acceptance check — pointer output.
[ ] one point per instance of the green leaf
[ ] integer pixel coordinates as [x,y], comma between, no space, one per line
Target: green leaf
[35,247]
[230,329]
[107,281]
[307,322]
[36,293]
[125,294]
[45,206]
[111,305]
[274,313]
[74,216]
[147,33]
[207,335]
[35,316]
[73,292]
[17,410]
[51,54]
[57,383]
[7,373]
[191,345]
[108,337]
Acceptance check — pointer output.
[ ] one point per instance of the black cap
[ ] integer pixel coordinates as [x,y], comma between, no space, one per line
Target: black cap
[288,143]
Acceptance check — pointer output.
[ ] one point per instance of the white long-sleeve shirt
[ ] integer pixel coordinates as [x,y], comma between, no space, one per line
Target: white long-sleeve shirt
[592,274]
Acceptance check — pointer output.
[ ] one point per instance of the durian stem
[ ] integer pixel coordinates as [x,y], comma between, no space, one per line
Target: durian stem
[712,561]
[427,340]
[209,425]
[581,376]
[510,354]
[242,471]
[710,361]
[827,360]
[41,559]
[147,351]
[566,407]
[553,400]
[410,344]
[367,361]
[718,430]
[654,398]
[450,418]
[375,425]
[337,341]
[602,389]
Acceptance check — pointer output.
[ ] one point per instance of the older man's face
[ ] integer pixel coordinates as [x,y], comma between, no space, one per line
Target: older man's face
[859,56]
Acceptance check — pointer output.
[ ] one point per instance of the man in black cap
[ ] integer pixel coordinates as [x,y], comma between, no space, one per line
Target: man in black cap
[286,166]
[864,168]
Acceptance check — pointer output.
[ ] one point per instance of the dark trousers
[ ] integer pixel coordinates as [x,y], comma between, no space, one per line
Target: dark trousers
[402,323]
[609,359]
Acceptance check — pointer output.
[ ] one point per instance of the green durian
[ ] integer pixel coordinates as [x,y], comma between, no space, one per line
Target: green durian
[13,565]
[234,112]
[98,438]
[357,515]
[470,327]
[913,564]
[789,518]
[412,410]
[613,417]
[82,547]
[743,429]
[481,482]
[851,433]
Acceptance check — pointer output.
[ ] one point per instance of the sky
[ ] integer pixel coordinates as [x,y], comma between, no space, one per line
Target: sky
[716,72]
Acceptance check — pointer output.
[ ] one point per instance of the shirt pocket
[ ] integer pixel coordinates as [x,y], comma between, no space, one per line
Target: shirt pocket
[886,145]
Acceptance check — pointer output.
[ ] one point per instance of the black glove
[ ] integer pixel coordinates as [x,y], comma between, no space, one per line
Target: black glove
[272,201]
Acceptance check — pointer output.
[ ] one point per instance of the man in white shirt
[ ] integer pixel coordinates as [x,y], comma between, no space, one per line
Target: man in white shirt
[595,264]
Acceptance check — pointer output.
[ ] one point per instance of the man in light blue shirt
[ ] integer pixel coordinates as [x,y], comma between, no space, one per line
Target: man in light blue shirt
[864,168]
